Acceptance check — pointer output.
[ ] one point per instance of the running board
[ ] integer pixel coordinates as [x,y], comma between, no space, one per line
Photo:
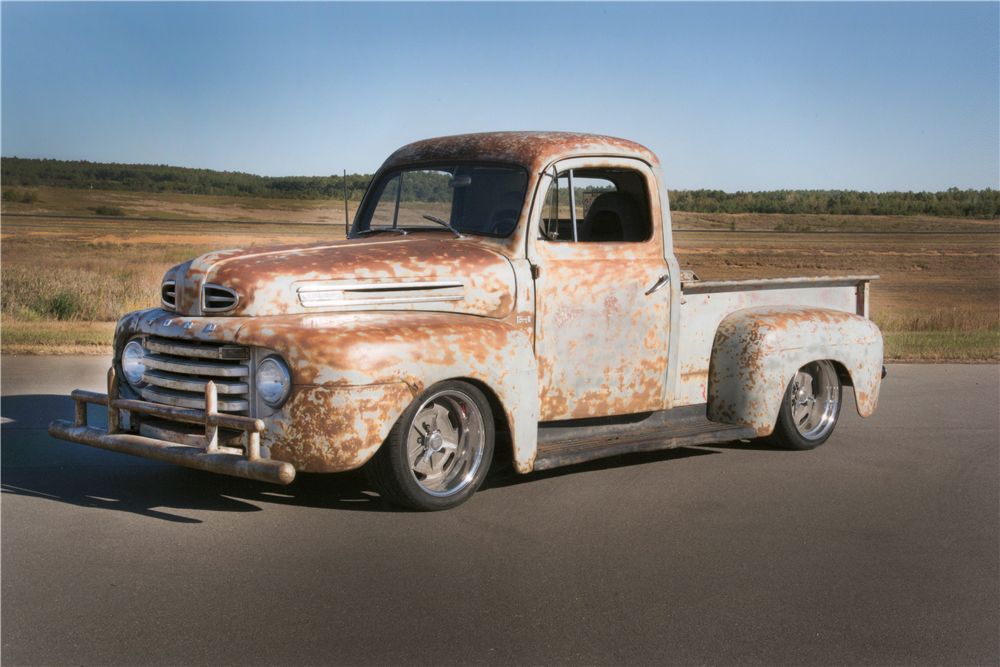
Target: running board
[575,441]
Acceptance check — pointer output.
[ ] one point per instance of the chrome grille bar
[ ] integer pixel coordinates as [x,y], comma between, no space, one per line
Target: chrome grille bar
[178,371]
[184,383]
[193,367]
[185,399]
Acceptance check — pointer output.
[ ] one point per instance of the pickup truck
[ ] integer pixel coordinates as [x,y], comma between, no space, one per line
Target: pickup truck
[512,284]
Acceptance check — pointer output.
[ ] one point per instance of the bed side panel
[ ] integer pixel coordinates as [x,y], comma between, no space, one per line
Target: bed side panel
[704,305]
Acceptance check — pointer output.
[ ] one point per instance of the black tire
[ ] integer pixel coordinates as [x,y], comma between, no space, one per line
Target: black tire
[809,409]
[439,451]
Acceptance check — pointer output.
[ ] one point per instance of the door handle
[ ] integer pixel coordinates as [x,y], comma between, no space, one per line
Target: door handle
[660,284]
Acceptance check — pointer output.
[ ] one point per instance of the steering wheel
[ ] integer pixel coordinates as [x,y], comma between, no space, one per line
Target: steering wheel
[502,219]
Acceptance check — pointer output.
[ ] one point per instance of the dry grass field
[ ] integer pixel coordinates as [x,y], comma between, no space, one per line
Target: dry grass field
[65,281]
[938,295]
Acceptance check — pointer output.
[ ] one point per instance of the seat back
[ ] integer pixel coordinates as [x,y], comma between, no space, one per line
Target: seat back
[613,217]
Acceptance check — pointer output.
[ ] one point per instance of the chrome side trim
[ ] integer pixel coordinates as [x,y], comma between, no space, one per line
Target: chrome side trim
[375,302]
[354,294]
[380,287]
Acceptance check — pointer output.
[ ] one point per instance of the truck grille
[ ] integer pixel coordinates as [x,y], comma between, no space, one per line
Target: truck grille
[177,372]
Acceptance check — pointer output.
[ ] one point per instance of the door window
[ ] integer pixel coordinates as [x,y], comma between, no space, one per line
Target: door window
[596,206]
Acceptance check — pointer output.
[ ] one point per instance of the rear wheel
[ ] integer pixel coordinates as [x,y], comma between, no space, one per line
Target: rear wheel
[438,453]
[809,409]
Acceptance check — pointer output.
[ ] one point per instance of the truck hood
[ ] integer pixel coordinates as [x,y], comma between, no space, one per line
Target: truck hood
[398,273]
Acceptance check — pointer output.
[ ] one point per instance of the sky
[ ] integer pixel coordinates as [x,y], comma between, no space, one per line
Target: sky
[730,96]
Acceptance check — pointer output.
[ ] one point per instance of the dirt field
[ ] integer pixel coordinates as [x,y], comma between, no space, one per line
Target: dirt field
[91,270]
[917,272]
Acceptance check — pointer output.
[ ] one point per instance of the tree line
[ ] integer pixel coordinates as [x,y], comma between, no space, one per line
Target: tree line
[422,186]
[22,172]
[950,203]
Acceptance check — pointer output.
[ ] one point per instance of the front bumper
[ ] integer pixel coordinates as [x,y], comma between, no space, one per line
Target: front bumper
[210,455]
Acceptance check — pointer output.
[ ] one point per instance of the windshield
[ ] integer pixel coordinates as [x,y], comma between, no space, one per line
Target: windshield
[476,199]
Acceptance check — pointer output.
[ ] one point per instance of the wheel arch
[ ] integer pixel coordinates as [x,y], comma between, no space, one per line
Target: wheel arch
[756,352]
[501,420]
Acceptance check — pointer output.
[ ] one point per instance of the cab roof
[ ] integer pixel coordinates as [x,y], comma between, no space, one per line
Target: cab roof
[534,150]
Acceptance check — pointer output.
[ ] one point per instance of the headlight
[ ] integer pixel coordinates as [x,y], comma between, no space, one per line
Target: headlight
[133,366]
[274,382]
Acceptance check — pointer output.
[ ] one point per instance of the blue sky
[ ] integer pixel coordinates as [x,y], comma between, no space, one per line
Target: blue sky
[730,96]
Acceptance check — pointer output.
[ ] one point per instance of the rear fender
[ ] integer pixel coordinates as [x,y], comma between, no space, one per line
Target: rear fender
[757,351]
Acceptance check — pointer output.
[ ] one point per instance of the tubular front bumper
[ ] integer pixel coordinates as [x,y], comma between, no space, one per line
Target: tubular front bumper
[213,457]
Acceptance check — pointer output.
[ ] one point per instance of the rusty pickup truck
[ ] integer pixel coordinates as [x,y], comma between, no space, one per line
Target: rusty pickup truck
[520,284]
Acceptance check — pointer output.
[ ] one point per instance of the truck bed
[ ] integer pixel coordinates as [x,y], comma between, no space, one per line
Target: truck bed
[704,304]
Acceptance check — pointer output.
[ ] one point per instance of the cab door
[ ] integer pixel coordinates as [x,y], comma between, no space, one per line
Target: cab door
[601,302]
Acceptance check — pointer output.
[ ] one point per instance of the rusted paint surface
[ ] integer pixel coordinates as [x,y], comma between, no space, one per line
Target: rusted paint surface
[706,304]
[757,351]
[533,150]
[268,280]
[332,429]
[356,350]
[417,349]
[522,317]
[602,343]
[551,330]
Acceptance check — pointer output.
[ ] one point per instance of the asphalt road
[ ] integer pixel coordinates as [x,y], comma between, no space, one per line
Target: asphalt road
[880,547]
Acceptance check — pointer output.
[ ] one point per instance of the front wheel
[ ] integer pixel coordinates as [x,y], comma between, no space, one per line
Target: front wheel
[438,453]
[809,409]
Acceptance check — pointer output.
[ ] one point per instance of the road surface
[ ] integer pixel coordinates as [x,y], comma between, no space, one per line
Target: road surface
[880,547]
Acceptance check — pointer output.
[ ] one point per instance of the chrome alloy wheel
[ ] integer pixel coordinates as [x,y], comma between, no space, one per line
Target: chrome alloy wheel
[814,400]
[445,443]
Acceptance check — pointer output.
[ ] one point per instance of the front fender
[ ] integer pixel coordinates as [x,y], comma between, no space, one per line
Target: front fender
[757,351]
[415,350]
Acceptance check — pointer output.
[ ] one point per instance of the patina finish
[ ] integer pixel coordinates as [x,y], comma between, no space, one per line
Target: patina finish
[596,347]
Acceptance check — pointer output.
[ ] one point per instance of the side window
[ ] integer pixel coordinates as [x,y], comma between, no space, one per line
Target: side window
[596,206]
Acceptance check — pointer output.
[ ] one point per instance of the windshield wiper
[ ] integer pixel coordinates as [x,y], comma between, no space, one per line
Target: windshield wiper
[442,222]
